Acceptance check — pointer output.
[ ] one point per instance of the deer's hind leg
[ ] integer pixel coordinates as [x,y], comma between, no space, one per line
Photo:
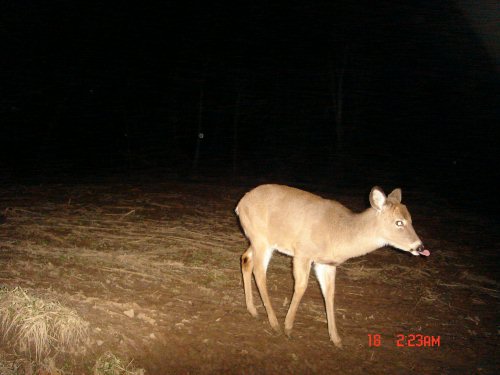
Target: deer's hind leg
[247,270]
[262,254]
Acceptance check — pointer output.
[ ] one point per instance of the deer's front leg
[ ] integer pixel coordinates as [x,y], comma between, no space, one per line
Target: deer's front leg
[301,270]
[326,277]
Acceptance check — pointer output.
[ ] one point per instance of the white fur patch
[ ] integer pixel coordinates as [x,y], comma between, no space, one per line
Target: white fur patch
[415,244]
[381,242]
[323,273]
[283,250]
[267,257]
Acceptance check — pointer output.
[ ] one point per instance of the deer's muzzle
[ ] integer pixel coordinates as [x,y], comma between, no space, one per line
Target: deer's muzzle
[421,250]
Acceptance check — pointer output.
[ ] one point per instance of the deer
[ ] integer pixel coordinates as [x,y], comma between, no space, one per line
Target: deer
[316,232]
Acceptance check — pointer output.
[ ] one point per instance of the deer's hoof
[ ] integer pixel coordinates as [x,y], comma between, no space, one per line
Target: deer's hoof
[277,329]
[275,326]
[253,312]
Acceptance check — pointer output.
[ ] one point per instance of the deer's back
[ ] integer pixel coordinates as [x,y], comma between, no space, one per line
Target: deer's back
[284,216]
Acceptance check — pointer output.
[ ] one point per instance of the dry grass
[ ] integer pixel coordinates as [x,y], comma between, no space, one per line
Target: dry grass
[8,368]
[110,364]
[40,328]
[356,272]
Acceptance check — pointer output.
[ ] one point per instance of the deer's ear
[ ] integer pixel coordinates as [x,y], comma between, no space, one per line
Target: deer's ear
[377,198]
[396,195]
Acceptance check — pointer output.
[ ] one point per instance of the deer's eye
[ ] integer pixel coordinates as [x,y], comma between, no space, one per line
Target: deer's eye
[399,223]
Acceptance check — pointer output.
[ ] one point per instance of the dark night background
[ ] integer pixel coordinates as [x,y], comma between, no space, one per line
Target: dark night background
[335,92]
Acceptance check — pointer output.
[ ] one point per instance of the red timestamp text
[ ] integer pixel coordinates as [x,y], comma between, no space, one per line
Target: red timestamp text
[404,341]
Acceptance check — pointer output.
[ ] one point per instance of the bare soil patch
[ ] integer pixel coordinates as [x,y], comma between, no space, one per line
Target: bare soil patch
[154,270]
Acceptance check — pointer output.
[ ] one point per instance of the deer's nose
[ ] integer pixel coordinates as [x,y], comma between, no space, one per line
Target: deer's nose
[423,251]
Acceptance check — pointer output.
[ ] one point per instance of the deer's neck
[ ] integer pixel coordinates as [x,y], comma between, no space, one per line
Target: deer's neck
[361,235]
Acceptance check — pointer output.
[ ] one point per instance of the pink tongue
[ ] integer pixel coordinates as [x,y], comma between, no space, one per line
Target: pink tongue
[425,253]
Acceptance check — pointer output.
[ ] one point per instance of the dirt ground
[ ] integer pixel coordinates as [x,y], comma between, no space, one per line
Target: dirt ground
[155,270]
